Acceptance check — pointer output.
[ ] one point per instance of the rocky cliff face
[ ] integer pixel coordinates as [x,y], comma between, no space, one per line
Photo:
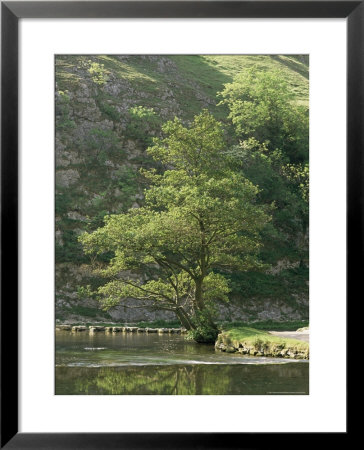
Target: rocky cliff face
[100,143]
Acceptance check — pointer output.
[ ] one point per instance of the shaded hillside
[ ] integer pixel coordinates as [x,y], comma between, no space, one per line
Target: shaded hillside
[108,108]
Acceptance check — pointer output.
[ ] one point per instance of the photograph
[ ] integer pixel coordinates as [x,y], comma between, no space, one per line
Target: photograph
[181,224]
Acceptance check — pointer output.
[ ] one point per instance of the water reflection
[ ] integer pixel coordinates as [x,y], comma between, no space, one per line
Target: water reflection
[184,380]
[166,365]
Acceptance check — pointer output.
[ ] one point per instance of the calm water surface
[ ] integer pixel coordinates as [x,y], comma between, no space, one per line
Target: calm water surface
[140,364]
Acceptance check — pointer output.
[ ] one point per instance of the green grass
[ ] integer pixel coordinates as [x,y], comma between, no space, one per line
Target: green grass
[269,325]
[211,72]
[259,339]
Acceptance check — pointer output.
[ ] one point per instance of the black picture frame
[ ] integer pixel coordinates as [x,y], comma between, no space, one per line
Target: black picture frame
[11,12]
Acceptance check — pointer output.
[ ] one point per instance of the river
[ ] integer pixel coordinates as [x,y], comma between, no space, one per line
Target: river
[143,364]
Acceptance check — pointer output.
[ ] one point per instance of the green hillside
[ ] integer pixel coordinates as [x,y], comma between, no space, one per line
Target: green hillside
[108,109]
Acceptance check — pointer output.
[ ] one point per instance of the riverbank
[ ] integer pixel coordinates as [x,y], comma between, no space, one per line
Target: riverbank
[254,342]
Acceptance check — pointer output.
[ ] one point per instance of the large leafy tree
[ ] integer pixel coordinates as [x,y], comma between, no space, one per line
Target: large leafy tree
[287,185]
[262,106]
[200,216]
[272,127]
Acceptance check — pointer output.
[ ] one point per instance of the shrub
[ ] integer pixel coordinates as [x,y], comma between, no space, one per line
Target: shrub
[142,121]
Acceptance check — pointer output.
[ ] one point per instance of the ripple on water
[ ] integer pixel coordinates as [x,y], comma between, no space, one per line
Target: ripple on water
[95,348]
[140,350]
[138,361]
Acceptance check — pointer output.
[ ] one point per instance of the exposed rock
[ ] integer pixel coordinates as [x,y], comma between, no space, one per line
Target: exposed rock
[66,178]
[75,215]
[79,328]
[230,349]
[96,329]
[64,327]
[283,265]
[272,350]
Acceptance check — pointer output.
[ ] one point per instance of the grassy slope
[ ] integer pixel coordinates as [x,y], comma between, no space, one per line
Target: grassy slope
[205,73]
[213,71]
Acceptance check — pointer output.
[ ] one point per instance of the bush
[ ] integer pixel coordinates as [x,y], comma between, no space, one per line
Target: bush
[110,111]
[142,121]
[205,330]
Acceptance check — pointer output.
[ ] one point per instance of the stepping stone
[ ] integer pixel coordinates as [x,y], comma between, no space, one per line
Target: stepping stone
[96,329]
[64,327]
[131,329]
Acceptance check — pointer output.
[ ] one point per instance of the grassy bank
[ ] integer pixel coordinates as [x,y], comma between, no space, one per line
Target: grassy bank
[270,325]
[251,341]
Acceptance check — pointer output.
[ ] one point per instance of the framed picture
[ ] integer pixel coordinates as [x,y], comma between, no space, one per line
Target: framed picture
[177,44]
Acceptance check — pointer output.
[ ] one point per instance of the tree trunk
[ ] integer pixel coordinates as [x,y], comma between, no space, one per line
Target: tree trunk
[199,303]
[184,319]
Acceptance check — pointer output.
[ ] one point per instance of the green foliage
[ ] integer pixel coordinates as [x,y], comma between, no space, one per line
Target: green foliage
[66,124]
[205,331]
[85,292]
[63,111]
[298,174]
[61,203]
[110,111]
[285,285]
[103,144]
[71,250]
[127,183]
[280,184]
[98,72]
[262,106]
[103,138]
[198,217]
[193,151]
[143,123]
